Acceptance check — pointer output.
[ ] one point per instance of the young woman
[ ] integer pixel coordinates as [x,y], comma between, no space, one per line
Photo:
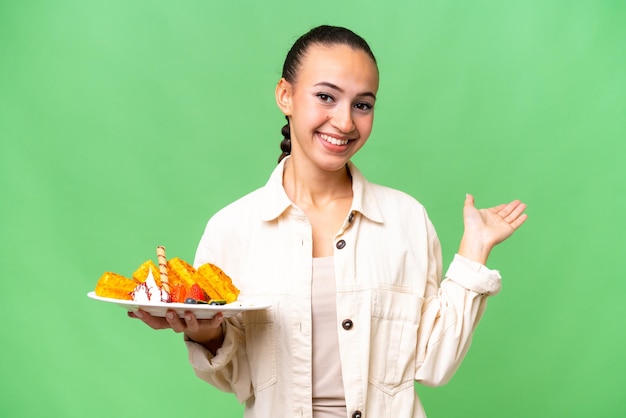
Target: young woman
[352,269]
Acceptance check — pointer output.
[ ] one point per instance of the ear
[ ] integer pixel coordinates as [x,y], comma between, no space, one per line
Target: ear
[284,93]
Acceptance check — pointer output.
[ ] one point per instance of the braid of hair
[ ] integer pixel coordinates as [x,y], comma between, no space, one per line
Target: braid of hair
[285,144]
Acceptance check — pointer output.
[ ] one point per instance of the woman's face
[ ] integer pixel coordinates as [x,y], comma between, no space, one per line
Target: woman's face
[330,104]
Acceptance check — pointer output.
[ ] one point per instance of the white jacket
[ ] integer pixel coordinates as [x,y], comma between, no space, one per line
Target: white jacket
[397,321]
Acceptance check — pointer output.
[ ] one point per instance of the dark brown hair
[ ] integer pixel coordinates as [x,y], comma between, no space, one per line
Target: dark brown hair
[321,35]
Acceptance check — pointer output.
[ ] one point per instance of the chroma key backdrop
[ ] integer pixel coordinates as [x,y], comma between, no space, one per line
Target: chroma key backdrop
[125,125]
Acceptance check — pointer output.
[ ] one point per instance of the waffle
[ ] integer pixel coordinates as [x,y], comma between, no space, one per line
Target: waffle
[113,285]
[180,272]
[216,283]
[141,273]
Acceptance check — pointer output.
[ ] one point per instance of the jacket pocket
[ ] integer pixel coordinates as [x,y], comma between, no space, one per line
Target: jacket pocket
[393,345]
[260,331]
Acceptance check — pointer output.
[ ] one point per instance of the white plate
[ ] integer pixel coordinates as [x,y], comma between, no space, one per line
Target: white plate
[201,311]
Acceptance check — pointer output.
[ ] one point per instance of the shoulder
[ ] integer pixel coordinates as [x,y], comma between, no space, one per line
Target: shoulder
[399,207]
[242,209]
[387,199]
[397,210]
[394,196]
[225,230]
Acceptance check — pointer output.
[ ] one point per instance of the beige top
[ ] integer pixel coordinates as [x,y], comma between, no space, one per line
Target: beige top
[328,392]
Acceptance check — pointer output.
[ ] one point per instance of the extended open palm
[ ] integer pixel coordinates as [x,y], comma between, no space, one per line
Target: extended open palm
[485,228]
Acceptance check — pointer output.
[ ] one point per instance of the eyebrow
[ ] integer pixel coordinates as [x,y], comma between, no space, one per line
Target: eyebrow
[335,87]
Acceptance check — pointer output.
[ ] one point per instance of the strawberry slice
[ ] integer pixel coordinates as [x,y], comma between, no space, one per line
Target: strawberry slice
[178,293]
[197,293]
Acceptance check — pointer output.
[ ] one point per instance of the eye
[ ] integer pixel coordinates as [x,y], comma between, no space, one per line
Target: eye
[363,106]
[326,98]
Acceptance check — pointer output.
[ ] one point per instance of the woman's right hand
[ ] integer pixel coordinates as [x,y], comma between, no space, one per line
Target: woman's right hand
[207,332]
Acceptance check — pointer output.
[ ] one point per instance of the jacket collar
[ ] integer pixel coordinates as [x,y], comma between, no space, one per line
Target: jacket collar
[275,201]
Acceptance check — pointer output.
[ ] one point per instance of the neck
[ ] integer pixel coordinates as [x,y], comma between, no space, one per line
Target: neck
[306,185]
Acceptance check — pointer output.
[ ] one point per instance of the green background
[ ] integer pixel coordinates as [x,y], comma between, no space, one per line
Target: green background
[126,124]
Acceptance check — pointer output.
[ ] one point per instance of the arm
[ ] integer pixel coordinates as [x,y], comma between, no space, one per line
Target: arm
[207,332]
[218,354]
[452,310]
[216,348]
[450,315]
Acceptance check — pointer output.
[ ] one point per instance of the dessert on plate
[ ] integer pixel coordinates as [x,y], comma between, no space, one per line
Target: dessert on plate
[173,280]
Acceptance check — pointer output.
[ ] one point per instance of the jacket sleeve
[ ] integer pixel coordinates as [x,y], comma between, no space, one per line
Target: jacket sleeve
[450,314]
[228,370]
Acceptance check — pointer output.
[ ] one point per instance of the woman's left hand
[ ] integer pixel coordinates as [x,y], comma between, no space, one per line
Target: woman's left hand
[485,228]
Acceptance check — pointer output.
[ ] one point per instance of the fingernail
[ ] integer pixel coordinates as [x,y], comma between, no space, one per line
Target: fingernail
[138,314]
[187,317]
[170,315]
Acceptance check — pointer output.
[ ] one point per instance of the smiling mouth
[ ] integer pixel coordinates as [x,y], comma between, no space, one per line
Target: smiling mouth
[333,140]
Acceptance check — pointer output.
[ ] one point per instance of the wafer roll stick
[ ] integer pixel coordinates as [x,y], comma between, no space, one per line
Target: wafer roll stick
[165,285]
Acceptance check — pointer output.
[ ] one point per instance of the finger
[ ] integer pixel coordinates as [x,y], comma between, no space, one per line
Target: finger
[506,210]
[153,322]
[469,200]
[177,324]
[519,221]
[193,324]
[497,209]
[516,213]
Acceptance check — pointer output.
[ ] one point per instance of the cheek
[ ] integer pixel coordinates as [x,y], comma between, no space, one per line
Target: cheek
[365,124]
[313,115]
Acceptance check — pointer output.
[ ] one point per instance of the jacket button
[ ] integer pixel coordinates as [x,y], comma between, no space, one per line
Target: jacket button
[347,325]
[357,414]
[340,244]
[351,217]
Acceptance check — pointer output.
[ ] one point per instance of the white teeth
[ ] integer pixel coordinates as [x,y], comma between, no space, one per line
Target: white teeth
[333,141]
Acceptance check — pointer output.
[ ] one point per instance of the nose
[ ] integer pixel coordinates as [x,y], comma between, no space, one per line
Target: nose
[341,119]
